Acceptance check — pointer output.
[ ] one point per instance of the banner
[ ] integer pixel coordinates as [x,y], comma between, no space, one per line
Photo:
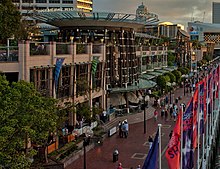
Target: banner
[173,151]
[58,67]
[187,149]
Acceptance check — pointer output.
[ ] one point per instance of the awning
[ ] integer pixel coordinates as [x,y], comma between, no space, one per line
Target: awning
[117,99]
[170,68]
[124,89]
[154,73]
[132,98]
[146,76]
[162,71]
[146,84]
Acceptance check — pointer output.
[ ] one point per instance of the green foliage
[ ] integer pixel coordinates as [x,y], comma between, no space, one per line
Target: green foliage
[170,58]
[184,70]
[178,75]
[171,76]
[162,80]
[10,19]
[207,57]
[24,114]
[84,110]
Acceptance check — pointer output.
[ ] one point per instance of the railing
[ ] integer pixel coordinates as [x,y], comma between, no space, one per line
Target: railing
[62,48]
[39,49]
[96,48]
[81,48]
[9,54]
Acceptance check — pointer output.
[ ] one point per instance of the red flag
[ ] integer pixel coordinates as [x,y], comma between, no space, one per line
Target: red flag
[205,96]
[173,151]
[195,108]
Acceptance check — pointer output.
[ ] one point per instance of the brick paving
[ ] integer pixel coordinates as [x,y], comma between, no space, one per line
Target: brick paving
[134,149]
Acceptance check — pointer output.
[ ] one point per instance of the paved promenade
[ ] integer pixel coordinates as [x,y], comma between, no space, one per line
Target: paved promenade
[134,149]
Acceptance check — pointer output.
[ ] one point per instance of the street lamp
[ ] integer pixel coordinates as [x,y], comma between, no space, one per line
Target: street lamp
[86,142]
[170,85]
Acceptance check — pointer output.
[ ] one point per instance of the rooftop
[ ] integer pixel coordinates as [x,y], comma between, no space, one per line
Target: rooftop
[62,18]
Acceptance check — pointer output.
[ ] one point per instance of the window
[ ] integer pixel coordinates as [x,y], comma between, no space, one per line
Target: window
[54,1]
[27,1]
[41,1]
[41,79]
[64,87]
[67,1]
[97,77]
[82,83]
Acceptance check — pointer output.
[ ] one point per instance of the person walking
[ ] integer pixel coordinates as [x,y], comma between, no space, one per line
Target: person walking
[150,140]
[120,129]
[162,113]
[166,115]
[125,129]
[119,166]
[139,167]
[155,115]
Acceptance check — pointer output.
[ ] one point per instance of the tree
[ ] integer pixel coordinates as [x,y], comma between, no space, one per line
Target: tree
[178,75]
[171,76]
[162,82]
[170,58]
[25,115]
[10,19]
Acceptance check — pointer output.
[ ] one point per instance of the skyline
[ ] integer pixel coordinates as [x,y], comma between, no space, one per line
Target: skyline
[181,13]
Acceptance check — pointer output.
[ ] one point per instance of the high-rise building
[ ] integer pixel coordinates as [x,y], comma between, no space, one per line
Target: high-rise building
[215,12]
[28,6]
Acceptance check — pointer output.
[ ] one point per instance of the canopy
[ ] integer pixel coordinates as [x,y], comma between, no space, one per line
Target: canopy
[132,97]
[146,84]
[117,99]
[155,73]
[147,76]
[162,70]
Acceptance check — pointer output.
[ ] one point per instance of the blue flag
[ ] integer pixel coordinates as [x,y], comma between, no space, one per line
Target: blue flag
[187,149]
[152,158]
[58,67]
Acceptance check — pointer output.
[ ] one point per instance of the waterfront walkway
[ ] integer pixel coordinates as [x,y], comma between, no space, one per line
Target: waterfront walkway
[134,149]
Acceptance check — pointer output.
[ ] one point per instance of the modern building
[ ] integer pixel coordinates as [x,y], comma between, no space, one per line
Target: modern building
[215,12]
[168,29]
[207,33]
[100,58]
[28,6]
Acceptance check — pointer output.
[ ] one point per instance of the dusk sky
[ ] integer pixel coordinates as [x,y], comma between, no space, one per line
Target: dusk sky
[176,11]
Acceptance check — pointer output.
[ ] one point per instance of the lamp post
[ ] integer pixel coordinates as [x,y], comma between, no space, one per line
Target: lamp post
[86,142]
[145,99]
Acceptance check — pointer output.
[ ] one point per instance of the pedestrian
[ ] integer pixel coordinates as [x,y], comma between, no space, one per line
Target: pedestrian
[139,167]
[166,115]
[155,115]
[171,112]
[171,133]
[150,141]
[162,113]
[167,100]
[115,155]
[120,129]
[125,129]
[119,166]
[174,115]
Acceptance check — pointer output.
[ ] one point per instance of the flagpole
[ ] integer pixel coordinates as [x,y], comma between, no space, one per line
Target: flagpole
[198,129]
[159,126]
[181,139]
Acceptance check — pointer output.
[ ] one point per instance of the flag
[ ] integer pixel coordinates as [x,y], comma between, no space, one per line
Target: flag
[58,67]
[187,149]
[173,151]
[201,106]
[205,97]
[94,65]
[151,160]
[195,110]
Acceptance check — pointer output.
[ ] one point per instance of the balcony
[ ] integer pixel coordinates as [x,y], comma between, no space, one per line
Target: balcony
[9,54]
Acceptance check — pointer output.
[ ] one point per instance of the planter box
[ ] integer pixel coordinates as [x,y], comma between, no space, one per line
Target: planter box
[52,147]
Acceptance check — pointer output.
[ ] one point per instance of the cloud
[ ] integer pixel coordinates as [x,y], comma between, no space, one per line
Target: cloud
[176,11]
